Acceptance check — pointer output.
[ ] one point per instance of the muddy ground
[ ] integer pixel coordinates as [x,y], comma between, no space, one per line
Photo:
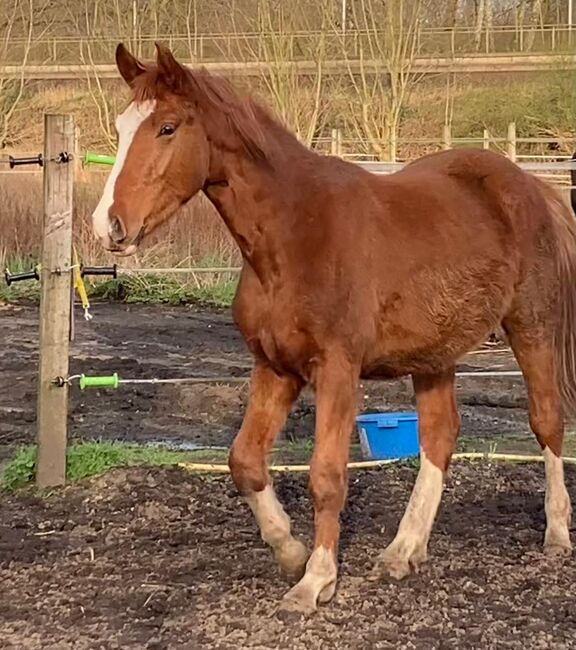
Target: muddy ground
[139,341]
[162,559]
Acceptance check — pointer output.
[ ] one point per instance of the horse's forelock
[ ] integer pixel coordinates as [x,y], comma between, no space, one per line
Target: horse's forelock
[147,86]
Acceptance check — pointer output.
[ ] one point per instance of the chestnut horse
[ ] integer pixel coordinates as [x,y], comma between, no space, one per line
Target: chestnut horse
[350,275]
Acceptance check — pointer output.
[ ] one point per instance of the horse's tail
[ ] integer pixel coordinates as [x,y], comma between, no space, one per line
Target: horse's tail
[565,329]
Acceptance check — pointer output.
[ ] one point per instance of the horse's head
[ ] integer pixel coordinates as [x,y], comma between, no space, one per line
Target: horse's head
[163,155]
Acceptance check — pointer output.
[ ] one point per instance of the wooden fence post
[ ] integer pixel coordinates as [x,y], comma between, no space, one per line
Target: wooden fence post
[392,145]
[56,280]
[334,142]
[486,139]
[511,141]
[446,137]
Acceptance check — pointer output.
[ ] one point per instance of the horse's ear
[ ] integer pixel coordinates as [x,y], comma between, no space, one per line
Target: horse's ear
[128,65]
[174,74]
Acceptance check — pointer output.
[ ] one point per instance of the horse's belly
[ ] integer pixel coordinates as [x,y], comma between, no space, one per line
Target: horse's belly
[426,328]
[398,361]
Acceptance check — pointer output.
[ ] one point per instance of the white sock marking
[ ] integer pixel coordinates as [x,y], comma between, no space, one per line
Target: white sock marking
[273,521]
[557,501]
[319,581]
[418,519]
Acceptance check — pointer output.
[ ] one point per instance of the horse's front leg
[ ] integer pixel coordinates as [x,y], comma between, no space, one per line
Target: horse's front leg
[336,396]
[439,425]
[271,398]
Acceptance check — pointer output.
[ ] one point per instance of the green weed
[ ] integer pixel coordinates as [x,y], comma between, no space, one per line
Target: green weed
[85,459]
[154,289]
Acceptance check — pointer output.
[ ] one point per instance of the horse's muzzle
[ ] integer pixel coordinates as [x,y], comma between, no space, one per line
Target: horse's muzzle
[124,249]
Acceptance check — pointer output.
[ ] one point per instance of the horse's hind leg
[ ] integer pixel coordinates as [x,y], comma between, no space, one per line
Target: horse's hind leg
[535,355]
[439,425]
[270,401]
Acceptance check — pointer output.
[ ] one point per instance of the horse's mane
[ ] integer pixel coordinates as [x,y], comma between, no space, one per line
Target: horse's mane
[231,120]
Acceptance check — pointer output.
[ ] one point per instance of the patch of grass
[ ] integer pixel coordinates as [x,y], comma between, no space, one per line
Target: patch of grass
[85,459]
[535,104]
[512,444]
[149,288]
[20,470]
[154,289]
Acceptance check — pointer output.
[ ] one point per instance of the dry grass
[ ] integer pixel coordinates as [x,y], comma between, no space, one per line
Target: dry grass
[195,237]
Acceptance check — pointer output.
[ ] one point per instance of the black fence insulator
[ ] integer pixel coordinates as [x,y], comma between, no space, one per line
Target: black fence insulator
[111,271]
[26,160]
[63,157]
[19,277]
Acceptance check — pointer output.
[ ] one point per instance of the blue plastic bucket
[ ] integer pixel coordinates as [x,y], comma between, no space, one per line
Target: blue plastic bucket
[389,435]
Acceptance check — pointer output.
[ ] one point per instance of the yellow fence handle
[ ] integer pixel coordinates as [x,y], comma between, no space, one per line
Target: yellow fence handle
[81,287]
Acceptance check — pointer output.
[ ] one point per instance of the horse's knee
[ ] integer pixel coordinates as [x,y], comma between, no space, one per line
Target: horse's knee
[248,472]
[328,485]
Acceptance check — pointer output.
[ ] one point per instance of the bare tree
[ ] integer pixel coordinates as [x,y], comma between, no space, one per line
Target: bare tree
[189,16]
[450,13]
[381,75]
[484,22]
[18,19]
[104,101]
[292,67]
[536,20]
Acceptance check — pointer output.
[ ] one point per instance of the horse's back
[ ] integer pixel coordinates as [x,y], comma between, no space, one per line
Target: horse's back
[457,203]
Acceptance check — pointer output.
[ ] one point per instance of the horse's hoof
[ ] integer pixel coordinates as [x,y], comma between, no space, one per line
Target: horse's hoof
[298,601]
[292,557]
[397,566]
[327,593]
[557,551]
[385,569]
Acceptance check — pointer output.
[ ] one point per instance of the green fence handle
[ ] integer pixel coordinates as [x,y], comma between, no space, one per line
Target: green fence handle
[98,159]
[111,381]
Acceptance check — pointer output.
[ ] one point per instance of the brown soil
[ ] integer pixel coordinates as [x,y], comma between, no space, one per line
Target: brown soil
[164,559]
[161,559]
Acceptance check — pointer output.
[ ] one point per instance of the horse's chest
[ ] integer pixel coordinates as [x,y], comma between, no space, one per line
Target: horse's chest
[279,336]
[286,345]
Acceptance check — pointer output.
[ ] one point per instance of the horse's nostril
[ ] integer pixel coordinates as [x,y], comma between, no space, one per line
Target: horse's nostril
[117,231]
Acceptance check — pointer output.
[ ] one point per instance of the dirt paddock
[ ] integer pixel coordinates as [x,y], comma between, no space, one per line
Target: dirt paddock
[162,559]
[166,559]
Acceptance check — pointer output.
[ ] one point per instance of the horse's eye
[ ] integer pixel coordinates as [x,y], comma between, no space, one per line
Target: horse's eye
[167,129]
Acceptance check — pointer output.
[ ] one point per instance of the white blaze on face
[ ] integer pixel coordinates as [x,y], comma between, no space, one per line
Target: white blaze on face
[127,125]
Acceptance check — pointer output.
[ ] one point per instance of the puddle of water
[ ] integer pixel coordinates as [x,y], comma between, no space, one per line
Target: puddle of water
[183,445]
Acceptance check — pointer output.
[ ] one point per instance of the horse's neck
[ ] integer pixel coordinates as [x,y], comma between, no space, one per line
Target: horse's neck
[256,205]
